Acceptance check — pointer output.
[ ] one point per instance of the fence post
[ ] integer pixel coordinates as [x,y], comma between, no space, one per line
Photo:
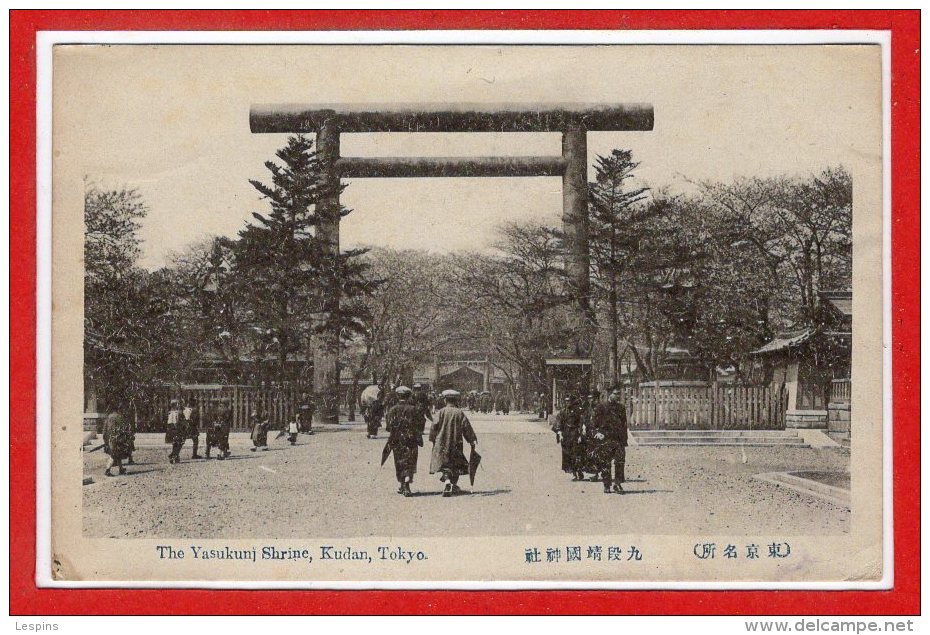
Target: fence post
[655,405]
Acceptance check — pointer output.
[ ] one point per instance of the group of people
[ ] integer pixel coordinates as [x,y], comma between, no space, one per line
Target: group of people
[485,402]
[593,435]
[376,406]
[406,415]
[186,421]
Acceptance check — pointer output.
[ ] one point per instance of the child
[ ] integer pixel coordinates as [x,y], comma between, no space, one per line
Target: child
[293,428]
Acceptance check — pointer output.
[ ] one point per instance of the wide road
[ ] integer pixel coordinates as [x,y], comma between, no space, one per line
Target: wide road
[330,484]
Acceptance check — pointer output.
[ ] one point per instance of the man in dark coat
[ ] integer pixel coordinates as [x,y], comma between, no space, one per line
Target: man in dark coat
[390,400]
[131,421]
[568,426]
[117,441]
[422,401]
[622,438]
[175,429]
[485,401]
[405,421]
[191,428]
[607,439]
[307,410]
[447,433]
[589,455]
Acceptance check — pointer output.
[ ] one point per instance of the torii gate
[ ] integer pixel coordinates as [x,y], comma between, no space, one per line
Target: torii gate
[572,120]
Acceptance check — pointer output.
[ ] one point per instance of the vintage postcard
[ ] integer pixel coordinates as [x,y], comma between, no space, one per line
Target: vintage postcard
[586,316]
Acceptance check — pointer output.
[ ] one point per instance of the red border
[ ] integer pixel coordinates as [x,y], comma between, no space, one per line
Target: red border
[26,599]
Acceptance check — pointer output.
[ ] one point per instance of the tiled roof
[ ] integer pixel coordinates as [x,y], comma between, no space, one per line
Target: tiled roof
[784,341]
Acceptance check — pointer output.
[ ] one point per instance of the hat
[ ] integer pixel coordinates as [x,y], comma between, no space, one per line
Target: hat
[450,393]
[402,390]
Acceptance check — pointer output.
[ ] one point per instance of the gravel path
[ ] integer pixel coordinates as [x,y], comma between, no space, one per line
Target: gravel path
[330,485]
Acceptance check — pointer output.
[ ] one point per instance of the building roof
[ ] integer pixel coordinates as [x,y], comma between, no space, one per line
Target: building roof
[568,361]
[839,300]
[98,342]
[784,341]
[212,357]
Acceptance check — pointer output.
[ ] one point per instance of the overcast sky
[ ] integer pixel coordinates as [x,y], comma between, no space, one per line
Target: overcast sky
[173,122]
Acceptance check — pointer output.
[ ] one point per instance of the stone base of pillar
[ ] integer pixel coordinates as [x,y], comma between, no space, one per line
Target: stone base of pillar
[809,419]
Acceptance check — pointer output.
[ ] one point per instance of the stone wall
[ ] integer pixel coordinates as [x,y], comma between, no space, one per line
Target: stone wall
[838,423]
[807,419]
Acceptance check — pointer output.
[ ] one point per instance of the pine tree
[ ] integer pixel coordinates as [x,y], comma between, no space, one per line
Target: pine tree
[297,287]
[613,215]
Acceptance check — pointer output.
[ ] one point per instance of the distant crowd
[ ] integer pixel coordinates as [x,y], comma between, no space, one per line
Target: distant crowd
[592,432]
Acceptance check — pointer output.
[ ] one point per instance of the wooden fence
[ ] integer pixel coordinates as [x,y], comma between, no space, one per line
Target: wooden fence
[706,407]
[278,404]
[840,390]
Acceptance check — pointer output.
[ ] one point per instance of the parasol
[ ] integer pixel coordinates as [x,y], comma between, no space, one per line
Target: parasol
[473,462]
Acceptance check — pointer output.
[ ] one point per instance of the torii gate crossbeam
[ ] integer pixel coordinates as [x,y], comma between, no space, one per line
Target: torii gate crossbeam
[328,121]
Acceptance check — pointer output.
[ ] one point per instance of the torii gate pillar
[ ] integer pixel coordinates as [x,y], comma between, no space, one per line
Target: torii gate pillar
[575,217]
[573,121]
[326,386]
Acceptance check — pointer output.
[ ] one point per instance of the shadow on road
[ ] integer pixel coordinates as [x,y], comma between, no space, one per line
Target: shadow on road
[135,472]
[418,494]
[465,493]
[490,492]
[627,492]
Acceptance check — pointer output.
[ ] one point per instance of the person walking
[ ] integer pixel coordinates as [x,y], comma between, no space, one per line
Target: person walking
[543,407]
[422,401]
[131,421]
[447,434]
[174,431]
[259,430]
[568,426]
[218,430]
[405,421]
[191,429]
[390,400]
[117,441]
[621,438]
[307,409]
[606,435]
[293,427]
[374,411]
[486,402]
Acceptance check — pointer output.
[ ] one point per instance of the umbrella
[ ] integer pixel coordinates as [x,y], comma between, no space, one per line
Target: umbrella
[369,394]
[473,461]
[386,452]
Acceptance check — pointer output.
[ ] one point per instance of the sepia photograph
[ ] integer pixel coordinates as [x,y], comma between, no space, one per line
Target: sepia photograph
[382,313]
